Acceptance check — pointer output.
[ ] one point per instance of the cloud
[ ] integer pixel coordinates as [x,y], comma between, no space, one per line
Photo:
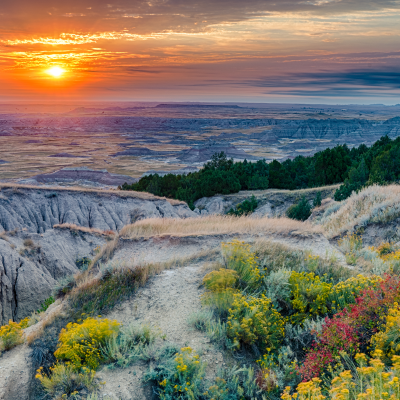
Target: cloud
[145,17]
[351,83]
[344,79]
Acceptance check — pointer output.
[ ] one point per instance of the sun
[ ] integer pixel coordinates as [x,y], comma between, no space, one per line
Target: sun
[55,72]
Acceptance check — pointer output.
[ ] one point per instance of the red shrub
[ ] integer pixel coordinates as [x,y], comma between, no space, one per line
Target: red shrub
[351,329]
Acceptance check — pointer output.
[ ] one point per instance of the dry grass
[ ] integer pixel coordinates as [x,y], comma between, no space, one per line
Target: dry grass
[94,231]
[296,192]
[216,224]
[3,235]
[36,331]
[120,193]
[29,243]
[105,253]
[210,225]
[374,204]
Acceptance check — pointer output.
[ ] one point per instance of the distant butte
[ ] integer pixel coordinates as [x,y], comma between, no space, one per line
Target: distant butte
[68,155]
[70,175]
[204,153]
[197,105]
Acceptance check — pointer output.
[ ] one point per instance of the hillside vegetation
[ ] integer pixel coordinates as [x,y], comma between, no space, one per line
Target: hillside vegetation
[356,167]
[259,311]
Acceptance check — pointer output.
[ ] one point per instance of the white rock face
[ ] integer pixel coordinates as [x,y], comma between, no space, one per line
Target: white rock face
[263,211]
[23,285]
[38,210]
[213,205]
[27,275]
[27,280]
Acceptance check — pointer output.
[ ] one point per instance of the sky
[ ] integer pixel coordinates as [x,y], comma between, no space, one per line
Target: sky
[293,51]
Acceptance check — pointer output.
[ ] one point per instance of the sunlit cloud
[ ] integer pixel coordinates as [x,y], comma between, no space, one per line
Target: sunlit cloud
[76,39]
[172,45]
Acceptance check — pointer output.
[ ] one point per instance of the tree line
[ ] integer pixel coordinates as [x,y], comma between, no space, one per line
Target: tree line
[355,167]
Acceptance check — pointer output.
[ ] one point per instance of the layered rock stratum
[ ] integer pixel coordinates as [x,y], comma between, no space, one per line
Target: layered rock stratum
[35,250]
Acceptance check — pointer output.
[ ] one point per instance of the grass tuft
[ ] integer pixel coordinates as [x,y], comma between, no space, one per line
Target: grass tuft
[217,224]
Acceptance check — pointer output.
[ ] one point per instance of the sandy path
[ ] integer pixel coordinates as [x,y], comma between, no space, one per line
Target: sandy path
[165,303]
[167,247]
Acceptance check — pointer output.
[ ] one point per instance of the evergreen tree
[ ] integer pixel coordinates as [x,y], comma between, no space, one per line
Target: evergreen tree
[318,200]
[300,211]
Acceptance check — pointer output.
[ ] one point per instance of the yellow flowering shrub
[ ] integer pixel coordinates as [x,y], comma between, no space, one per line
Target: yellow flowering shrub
[218,391]
[65,381]
[11,335]
[220,280]
[305,391]
[308,295]
[388,340]
[220,285]
[255,321]
[311,296]
[182,379]
[346,292]
[384,250]
[239,257]
[80,343]
[371,382]
[390,255]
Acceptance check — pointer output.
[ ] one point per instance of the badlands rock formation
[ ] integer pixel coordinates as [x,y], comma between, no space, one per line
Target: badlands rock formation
[271,202]
[33,255]
[39,209]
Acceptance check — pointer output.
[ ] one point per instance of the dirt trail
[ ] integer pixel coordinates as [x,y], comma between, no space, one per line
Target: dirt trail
[167,247]
[165,304]
[171,297]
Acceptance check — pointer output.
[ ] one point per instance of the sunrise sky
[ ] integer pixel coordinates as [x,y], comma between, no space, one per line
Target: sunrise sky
[325,51]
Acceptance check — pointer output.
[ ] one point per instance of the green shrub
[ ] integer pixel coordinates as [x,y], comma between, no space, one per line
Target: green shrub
[78,355]
[178,378]
[235,384]
[317,200]
[215,329]
[65,381]
[83,263]
[239,257]
[308,295]
[220,285]
[64,286]
[277,288]
[244,208]
[46,304]
[273,257]
[102,294]
[311,296]
[300,211]
[129,346]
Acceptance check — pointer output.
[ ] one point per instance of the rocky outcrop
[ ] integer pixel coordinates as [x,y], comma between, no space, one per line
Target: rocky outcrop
[39,209]
[271,202]
[213,205]
[33,255]
[28,273]
[23,285]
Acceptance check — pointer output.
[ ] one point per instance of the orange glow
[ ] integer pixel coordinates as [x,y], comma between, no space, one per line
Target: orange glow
[56,72]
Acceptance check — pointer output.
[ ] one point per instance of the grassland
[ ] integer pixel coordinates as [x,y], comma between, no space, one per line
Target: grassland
[217,224]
